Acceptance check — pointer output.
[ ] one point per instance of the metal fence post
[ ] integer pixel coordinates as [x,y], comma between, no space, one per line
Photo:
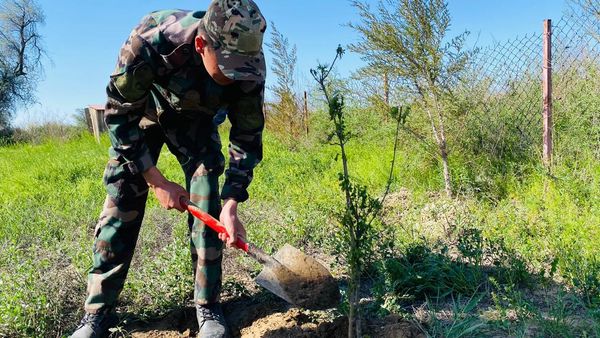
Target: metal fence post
[547,93]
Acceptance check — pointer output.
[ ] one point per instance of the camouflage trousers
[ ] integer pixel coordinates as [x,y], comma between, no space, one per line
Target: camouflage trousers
[196,144]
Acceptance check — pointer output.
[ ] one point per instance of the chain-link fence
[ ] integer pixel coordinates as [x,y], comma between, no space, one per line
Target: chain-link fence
[576,86]
[508,86]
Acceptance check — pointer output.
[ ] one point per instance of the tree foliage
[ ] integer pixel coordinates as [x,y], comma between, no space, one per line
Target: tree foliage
[285,113]
[21,52]
[407,38]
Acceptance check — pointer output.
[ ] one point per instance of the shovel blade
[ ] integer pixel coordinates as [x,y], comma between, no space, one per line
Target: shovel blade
[300,280]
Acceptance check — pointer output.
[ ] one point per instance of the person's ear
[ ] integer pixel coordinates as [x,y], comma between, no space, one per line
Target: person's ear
[199,43]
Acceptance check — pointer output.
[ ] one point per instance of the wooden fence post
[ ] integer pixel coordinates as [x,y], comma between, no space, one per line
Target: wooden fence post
[547,93]
[265,114]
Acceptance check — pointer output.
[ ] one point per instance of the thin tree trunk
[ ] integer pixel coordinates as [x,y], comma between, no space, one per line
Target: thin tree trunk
[443,149]
[447,179]
[354,327]
[351,318]
[386,89]
[306,112]
[357,307]
[440,139]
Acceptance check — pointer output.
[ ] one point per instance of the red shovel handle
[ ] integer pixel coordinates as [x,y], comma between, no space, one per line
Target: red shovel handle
[211,222]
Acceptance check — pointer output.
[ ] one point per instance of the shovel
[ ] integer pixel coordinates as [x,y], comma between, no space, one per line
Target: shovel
[290,274]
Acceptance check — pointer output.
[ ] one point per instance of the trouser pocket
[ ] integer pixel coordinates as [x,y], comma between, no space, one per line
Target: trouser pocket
[120,183]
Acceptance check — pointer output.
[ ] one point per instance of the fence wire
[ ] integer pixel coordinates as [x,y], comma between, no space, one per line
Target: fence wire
[576,85]
[508,87]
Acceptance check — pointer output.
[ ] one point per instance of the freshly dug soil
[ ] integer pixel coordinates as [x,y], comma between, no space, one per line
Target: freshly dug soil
[258,313]
[259,320]
[296,323]
[252,320]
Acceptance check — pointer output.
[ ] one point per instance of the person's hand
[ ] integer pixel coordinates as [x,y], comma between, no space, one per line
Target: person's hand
[168,193]
[232,223]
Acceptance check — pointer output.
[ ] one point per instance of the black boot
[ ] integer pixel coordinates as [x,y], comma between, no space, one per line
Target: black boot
[95,325]
[211,321]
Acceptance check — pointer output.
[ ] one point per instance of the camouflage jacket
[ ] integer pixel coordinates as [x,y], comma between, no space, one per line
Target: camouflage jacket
[159,57]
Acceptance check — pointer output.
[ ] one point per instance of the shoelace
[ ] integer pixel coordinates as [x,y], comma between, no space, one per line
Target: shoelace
[208,314]
[92,319]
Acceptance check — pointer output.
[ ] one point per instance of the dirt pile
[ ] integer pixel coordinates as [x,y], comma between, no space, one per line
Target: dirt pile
[296,323]
[258,321]
[254,312]
[247,322]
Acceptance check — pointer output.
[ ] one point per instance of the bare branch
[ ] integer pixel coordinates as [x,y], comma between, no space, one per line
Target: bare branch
[21,52]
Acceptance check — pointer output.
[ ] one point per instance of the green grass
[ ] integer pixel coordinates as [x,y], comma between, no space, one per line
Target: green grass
[534,230]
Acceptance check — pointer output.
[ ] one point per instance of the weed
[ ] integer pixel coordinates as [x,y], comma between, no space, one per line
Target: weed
[459,321]
[421,273]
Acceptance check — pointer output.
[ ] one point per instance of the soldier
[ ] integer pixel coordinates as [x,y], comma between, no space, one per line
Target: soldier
[177,75]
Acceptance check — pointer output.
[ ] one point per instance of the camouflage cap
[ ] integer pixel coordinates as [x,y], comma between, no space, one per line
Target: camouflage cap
[236,28]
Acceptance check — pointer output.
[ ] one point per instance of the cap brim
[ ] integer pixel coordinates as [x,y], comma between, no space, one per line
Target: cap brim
[241,67]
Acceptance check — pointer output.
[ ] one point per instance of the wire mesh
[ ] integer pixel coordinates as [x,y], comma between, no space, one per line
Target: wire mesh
[576,86]
[507,78]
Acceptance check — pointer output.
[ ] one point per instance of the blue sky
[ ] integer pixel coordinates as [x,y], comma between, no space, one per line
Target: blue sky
[83,38]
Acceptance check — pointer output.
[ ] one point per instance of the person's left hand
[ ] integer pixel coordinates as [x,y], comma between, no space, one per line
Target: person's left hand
[232,223]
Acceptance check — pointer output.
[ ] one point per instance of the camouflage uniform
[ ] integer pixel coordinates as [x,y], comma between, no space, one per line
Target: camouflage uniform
[160,93]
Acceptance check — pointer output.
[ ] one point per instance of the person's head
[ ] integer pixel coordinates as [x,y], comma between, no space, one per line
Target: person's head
[230,39]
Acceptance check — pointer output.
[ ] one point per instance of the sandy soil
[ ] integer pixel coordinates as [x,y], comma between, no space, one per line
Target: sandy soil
[256,321]
[254,312]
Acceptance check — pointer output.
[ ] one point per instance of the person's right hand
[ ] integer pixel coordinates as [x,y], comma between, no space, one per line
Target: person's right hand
[168,193]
